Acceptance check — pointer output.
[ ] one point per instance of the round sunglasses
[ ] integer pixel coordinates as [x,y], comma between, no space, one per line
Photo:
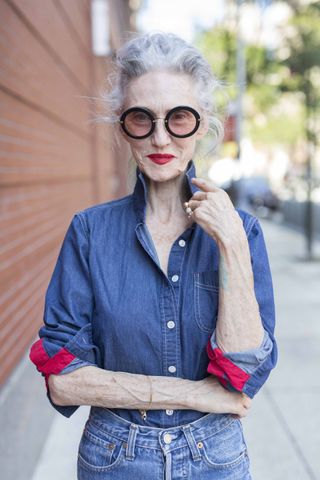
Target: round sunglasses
[139,123]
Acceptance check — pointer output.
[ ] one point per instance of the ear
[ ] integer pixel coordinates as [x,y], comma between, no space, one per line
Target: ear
[204,127]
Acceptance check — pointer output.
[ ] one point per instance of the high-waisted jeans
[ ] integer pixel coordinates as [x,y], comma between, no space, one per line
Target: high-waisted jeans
[212,447]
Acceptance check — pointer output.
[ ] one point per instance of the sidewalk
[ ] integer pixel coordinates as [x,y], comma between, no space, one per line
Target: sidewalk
[282,428]
[58,460]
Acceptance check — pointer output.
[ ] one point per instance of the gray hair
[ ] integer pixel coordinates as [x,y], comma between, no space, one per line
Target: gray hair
[159,50]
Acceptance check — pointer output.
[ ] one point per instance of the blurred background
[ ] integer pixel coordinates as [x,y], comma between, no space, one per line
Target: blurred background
[55,160]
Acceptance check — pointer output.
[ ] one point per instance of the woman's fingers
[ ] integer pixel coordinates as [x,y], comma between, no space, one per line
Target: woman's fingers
[193,204]
[245,405]
[205,185]
[199,195]
[246,401]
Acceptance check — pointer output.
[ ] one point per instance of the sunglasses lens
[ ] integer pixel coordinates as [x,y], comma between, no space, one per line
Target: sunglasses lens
[182,122]
[138,123]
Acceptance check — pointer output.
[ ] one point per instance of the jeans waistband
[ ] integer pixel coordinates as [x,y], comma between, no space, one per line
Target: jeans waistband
[189,434]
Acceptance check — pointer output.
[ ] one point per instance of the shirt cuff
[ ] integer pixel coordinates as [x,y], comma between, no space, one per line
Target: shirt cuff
[75,364]
[235,368]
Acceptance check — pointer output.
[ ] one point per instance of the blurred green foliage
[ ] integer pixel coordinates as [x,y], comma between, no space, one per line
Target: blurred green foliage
[282,91]
[303,63]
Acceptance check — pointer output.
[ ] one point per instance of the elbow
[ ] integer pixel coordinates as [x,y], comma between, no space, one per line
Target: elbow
[227,372]
[55,390]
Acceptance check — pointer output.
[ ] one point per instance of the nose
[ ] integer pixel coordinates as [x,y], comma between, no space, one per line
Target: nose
[160,136]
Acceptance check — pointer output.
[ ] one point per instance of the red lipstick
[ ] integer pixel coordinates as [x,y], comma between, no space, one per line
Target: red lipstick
[161,158]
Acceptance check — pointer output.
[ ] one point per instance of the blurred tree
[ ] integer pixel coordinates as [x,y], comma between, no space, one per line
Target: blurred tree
[282,101]
[268,76]
[303,61]
[264,76]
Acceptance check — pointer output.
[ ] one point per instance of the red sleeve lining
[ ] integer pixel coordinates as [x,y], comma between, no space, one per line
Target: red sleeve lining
[48,365]
[223,368]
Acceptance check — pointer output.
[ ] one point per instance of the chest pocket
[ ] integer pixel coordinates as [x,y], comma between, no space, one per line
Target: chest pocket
[206,299]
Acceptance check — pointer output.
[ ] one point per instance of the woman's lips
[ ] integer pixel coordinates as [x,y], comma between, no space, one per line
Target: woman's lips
[161,158]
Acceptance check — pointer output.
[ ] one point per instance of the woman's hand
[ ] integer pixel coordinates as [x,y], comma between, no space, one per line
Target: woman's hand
[213,210]
[210,396]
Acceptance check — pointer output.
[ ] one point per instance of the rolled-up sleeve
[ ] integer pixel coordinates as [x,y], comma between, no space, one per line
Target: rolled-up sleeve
[65,340]
[246,371]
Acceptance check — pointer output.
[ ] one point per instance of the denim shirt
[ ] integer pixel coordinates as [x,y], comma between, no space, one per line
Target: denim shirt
[109,304]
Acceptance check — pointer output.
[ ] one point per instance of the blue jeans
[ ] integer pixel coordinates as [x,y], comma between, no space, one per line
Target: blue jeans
[212,447]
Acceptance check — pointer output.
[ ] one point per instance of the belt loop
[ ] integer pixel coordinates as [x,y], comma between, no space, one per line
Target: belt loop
[191,442]
[131,441]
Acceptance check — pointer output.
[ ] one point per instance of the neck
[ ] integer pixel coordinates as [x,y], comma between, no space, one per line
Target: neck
[165,199]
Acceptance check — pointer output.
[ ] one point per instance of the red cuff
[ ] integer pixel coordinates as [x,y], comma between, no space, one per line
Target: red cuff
[46,364]
[224,369]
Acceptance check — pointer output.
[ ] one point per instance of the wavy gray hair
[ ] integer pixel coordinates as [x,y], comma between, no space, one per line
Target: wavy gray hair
[159,50]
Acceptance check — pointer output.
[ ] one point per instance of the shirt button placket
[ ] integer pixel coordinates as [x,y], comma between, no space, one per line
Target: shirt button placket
[172,362]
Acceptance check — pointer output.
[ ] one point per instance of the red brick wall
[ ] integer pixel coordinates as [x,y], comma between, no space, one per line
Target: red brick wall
[53,161]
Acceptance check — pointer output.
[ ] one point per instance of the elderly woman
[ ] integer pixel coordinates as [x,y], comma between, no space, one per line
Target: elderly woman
[160,310]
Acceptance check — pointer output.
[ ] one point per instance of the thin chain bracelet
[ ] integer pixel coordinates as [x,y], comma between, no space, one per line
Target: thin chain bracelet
[143,413]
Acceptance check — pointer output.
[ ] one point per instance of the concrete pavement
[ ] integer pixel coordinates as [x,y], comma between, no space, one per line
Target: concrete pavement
[283,425]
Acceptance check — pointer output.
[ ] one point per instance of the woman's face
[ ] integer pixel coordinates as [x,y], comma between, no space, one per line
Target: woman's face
[159,92]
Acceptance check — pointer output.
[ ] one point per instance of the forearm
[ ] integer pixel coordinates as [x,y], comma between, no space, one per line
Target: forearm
[239,325]
[104,388]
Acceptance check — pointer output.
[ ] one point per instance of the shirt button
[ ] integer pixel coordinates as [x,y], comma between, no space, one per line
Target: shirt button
[182,242]
[169,412]
[175,278]
[167,438]
[171,324]
[172,369]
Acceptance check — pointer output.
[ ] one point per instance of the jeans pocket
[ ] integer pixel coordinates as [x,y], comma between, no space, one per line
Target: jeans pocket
[99,454]
[225,449]
[206,299]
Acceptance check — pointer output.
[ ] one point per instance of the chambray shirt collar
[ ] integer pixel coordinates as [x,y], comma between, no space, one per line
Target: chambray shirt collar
[140,193]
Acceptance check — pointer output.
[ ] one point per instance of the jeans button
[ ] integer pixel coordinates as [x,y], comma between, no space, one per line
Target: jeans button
[167,438]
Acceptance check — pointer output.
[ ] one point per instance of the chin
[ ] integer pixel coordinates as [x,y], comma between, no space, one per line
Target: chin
[162,173]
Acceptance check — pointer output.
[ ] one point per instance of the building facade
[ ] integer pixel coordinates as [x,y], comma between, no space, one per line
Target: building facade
[54,160]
